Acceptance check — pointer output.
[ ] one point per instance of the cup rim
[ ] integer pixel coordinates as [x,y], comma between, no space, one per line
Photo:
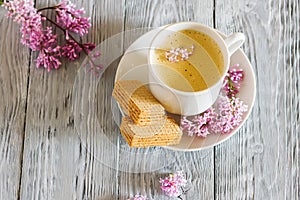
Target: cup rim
[179,91]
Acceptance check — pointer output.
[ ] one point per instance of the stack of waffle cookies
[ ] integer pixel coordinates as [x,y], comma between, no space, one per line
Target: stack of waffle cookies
[145,123]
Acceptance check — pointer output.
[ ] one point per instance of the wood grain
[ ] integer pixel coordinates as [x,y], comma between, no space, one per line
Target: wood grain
[14,61]
[262,160]
[57,162]
[151,164]
[60,140]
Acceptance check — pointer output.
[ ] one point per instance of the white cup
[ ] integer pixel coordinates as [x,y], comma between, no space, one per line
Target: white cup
[190,103]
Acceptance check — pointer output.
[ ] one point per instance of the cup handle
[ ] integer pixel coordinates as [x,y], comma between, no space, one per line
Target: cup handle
[234,41]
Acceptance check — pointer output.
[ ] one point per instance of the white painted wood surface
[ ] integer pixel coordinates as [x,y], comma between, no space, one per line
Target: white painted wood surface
[14,62]
[49,152]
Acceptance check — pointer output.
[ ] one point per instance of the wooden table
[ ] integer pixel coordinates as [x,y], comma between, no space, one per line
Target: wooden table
[44,156]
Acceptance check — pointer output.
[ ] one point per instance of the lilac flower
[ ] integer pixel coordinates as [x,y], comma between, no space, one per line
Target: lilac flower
[19,9]
[230,115]
[138,197]
[227,115]
[71,50]
[90,47]
[71,18]
[33,34]
[48,61]
[235,75]
[179,54]
[186,125]
[199,124]
[172,185]
[25,14]
[232,81]
[49,51]
[32,31]
[43,40]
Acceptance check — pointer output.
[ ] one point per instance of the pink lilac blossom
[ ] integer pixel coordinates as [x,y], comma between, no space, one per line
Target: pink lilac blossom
[19,9]
[138,197]
[179,54]
[172,185]
[199,124]
[25,14]
[233,81]
[227,115]
[71,18]
[222,120]
[49,51]
[32,32]
[230,115]
[43,40]
[90,47]
[71,50]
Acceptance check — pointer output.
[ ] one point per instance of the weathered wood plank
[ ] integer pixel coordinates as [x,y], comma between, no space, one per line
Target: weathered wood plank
[57,162]
[151,164]
[262,160]
[61,161]
[14,61]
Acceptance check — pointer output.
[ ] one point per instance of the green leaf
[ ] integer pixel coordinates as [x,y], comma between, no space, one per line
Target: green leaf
[1,2]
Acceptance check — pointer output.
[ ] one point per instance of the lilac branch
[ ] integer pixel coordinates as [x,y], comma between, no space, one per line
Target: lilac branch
[94,66]
[47,8]
[64,30]
[37,38]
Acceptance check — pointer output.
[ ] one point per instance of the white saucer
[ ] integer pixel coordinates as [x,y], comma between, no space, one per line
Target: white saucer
[133,65]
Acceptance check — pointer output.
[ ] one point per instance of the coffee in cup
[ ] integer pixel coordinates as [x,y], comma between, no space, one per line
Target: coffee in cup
[201,70]
[187,64]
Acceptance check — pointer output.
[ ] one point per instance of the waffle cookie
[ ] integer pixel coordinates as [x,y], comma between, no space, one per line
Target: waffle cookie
[138,102]
[163,133]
